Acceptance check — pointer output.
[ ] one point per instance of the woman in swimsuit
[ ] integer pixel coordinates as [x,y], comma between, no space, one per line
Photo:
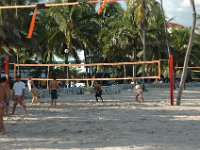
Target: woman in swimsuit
[32,90]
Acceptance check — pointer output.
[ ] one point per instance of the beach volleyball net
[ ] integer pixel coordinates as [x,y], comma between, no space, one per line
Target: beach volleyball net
[193,73]
[90,72]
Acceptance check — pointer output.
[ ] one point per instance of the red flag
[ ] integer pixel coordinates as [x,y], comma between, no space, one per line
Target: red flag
[32,24]
[102,6]
[6,66]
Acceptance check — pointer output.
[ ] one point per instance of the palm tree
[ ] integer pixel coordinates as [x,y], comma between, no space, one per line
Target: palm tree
[183,77]
[195,54]
[65,17]
[68,27]
[178,42]
[114,37]
[165,26]
[145,14]
[13,27]
[13,31]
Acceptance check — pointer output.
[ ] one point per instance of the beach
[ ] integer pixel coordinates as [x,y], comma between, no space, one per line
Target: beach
[78,122]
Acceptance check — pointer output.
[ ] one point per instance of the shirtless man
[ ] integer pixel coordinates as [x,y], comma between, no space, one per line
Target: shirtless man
[138,90]
[2,105]
[32,90]
[18,94]
[98,91]
[7,88]
[53,88]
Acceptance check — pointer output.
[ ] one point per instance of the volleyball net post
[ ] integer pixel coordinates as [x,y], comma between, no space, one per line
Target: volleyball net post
[171,72]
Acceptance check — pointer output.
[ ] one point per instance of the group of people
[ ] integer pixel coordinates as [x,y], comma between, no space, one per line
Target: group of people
[53,89]
[19,91]
[18,96]
[137,89]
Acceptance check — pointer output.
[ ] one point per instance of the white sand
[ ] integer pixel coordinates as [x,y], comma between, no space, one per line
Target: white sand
[78,122]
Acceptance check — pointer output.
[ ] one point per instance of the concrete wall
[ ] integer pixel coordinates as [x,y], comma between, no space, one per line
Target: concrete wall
[44,93]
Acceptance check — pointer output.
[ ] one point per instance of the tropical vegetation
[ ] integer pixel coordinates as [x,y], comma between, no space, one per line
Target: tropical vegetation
[117,34]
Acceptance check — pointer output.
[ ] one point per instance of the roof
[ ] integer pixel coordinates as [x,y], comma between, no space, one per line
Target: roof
[174,25]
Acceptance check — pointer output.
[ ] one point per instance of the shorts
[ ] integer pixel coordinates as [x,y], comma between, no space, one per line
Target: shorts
[98,94]
[139,91]
[2,104]
[54,94]
[7,102]
[18,100]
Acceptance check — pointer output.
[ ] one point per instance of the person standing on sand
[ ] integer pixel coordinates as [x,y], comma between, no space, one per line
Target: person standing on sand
[98,91]
[7,88]
[2,104]
[138,90]
[32,90]
[18,94]
[53,88]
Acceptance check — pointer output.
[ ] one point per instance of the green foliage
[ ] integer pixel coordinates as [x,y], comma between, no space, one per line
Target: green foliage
[113,36]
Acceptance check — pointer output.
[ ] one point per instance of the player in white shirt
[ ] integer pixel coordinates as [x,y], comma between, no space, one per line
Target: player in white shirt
[18,94]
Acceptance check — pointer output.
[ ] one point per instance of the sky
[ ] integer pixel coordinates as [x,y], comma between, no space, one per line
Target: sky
[179,10]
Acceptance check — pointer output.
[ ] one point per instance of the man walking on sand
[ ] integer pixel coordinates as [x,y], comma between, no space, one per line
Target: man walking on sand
[2,105]
[98,91]
[18,94]
[53,88]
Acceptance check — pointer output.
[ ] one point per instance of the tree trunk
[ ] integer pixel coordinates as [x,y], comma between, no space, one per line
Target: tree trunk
[164,22]
[50,61]
[184,73]
[124,68]
[50,57]
[144,44]
[86,67]
[134,66]
[48,77]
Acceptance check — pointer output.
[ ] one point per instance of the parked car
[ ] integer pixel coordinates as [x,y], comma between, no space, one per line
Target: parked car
[80,84]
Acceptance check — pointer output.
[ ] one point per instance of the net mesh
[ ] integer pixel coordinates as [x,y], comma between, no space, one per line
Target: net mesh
[90,72]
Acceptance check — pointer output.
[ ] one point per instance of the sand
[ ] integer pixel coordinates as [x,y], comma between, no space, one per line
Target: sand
[78,122]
